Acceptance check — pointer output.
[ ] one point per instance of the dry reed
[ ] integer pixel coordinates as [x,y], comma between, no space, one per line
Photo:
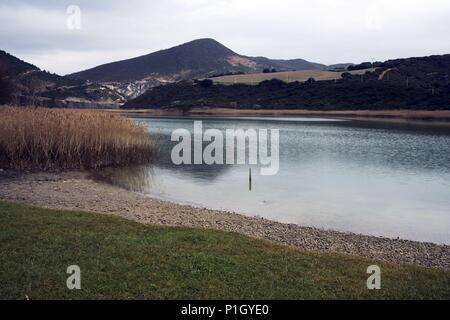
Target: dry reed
[57,139]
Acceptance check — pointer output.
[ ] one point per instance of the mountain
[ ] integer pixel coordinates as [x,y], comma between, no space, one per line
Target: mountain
[413,83]
[196,59]
[11,66]
[24,83]
[29,79]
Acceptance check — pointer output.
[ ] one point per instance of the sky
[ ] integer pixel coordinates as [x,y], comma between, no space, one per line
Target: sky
[53,36]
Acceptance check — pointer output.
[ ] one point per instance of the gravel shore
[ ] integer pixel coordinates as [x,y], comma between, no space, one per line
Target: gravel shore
[75,190]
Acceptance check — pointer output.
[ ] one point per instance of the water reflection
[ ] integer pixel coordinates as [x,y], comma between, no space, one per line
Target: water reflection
[374,178]
[136,178]
[204,173]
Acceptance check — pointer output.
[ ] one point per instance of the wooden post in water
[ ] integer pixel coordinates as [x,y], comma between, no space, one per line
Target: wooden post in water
[250,179]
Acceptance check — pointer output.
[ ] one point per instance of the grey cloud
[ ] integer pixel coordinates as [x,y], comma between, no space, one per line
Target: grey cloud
[325,31]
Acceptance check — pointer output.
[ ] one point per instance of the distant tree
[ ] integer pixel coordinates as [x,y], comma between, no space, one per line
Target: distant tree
[185,109]
[272,83]
[311,80]
[364,65]
[268,70]
[206,83]
[6,91]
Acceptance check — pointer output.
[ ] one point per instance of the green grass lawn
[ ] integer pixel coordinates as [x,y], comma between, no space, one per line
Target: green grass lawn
[120,259]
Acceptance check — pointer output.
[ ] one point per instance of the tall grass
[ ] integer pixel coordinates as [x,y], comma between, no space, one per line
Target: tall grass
[49,139]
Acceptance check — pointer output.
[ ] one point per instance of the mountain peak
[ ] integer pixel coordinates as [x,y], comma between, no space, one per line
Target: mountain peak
[208,46]
[204,40]
[195,59]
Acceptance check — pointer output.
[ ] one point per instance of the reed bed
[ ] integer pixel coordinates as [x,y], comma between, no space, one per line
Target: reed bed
[58,139]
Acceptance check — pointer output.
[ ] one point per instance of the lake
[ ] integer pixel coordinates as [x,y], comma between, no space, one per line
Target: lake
[373,178]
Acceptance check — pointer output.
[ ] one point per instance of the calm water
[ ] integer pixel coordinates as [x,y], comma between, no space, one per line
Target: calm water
[371,178]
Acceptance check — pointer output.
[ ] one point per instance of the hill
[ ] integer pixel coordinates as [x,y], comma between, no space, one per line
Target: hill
[196,59]
[414,83]
[11,66]
[24,83]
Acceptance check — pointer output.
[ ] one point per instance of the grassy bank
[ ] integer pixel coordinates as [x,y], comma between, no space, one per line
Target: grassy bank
[123,259]
[40,138]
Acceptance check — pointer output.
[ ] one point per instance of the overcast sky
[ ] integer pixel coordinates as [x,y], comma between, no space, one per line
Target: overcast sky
[324,31]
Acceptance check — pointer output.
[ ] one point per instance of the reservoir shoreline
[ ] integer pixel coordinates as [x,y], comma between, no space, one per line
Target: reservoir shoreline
[425,117]
[78,191]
